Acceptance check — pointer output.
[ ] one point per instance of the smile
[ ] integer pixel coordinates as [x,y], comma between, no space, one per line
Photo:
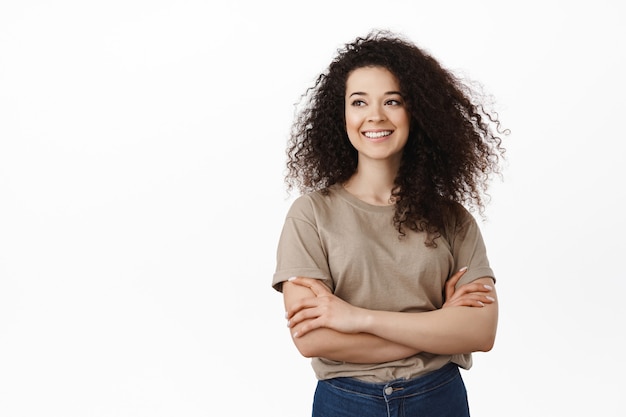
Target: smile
[377,135]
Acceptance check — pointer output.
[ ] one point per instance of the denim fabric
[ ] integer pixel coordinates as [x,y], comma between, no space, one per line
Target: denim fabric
[437,394]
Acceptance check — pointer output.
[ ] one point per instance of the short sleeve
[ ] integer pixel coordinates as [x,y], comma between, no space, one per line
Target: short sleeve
[300,251]
[468,249]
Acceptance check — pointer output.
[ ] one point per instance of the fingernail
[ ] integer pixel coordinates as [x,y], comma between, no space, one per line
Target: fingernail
[286,314]
[491,299]
[295,334]
[289,323]
[489,287]
[463,269]
[292,278]
[481,303]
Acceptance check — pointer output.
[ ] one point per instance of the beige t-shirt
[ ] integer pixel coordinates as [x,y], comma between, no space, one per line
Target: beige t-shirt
[355,249]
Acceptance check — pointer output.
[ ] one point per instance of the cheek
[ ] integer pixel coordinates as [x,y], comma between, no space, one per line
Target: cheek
[401,118]
[352,122]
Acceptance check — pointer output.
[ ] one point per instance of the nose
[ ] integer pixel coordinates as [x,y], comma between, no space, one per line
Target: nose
[376,113]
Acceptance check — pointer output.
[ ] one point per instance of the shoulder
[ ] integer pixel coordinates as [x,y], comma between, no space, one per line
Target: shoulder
[312,205]
[459,221]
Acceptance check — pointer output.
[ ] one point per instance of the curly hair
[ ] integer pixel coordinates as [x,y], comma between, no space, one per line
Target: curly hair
[452,149]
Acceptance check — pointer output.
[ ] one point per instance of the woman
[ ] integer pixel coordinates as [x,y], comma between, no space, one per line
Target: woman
[384,273]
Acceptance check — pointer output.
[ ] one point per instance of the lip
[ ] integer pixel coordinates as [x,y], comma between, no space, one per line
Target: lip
[376,139]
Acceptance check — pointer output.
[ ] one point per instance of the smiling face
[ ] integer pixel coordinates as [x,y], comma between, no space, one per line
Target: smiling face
[377,120]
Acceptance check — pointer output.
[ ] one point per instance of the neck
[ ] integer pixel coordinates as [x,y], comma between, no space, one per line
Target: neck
[372,182]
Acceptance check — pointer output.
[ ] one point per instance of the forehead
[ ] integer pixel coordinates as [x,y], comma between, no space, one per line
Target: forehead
[371,79]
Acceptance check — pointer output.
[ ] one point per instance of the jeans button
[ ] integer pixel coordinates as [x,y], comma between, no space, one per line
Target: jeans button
[388,390]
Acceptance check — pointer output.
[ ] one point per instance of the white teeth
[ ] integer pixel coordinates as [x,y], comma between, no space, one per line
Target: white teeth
[374,135]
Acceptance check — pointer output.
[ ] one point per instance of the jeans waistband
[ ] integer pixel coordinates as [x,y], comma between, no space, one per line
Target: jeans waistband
[398,388]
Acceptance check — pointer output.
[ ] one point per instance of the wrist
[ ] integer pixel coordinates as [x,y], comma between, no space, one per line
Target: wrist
[367,321]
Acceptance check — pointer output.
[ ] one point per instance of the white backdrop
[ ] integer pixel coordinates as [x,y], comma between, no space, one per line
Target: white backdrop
[141,198]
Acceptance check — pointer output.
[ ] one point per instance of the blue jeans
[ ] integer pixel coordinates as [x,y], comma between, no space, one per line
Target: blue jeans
[437,394]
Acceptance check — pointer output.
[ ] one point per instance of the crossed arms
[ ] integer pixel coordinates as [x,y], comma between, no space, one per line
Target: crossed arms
[323,325]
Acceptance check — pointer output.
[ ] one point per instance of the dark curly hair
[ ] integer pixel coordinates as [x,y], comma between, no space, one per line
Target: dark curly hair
[452,149]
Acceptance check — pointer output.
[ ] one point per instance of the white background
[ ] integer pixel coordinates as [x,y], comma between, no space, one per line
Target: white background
[141,198]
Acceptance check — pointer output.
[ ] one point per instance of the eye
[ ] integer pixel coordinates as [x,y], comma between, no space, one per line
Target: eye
[393,102]
[358,103]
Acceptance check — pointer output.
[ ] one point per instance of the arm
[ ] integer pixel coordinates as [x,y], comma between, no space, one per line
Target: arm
[456,328]
[331,344]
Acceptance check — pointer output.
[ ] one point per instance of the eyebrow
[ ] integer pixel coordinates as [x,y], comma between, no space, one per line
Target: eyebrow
[388,93]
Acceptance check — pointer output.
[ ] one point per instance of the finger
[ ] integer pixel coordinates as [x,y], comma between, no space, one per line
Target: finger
[469,303]
[453,280]
[313,284]
[302,315]
[471,300]
[301,305]
[306,327]
[473,288]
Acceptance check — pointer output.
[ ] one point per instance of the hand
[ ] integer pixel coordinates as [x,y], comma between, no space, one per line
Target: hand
[323,310]
[474,294]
